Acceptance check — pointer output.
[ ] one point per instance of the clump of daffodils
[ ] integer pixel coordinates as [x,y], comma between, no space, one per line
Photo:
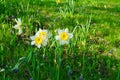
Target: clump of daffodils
[18,26]
[63,36]
[40,38]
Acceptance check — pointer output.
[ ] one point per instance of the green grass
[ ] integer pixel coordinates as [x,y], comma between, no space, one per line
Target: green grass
[92,54]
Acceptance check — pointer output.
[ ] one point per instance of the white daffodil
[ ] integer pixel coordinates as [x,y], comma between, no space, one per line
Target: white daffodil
[43,33]
[40,38]
[18,26]
[64,36]
[38,41]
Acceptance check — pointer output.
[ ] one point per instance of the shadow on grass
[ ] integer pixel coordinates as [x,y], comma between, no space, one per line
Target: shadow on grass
[102,14]
[109,9]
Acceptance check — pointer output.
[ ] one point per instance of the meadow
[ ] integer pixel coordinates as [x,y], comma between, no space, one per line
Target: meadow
[90,49]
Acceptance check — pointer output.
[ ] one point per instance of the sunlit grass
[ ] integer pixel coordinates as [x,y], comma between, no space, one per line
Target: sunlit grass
[92,53]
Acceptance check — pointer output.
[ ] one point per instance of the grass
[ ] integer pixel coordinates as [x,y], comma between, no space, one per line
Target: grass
[92,54]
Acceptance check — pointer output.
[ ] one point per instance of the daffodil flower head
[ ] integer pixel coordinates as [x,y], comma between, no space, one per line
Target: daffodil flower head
[43,33]
[18,25]
[38,41]
[40,38]
[63,36]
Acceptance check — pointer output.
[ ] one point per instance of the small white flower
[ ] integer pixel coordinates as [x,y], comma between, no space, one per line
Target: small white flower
[18,25]
[63,36]
[40,38]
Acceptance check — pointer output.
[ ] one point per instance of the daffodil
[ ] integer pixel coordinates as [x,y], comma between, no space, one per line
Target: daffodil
[40,38]
[18,25]
[63,36]
[38,41]
[43,33]
[58,1]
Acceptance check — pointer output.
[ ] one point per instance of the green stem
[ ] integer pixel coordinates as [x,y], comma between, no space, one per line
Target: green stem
[59,62]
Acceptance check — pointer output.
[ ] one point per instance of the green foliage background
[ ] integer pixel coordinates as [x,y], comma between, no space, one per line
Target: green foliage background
[93,53]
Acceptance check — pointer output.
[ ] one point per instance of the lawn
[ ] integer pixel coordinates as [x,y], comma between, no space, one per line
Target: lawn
[92,53]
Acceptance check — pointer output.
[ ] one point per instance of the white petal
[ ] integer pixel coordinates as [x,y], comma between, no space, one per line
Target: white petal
[19,20]
[45,31]
[59,31]
[38,46]
[66,42]
[62,42]
[37,33]
[44,43]
[45,39]
[20,31]
[40,29]
[16,26]
[66,30]
[70,35]
[57,37]
[32,37]
[33,42]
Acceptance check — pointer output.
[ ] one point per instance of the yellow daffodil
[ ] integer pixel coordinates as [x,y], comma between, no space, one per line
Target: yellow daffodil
[58,1]
[64,36]
[18,26]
